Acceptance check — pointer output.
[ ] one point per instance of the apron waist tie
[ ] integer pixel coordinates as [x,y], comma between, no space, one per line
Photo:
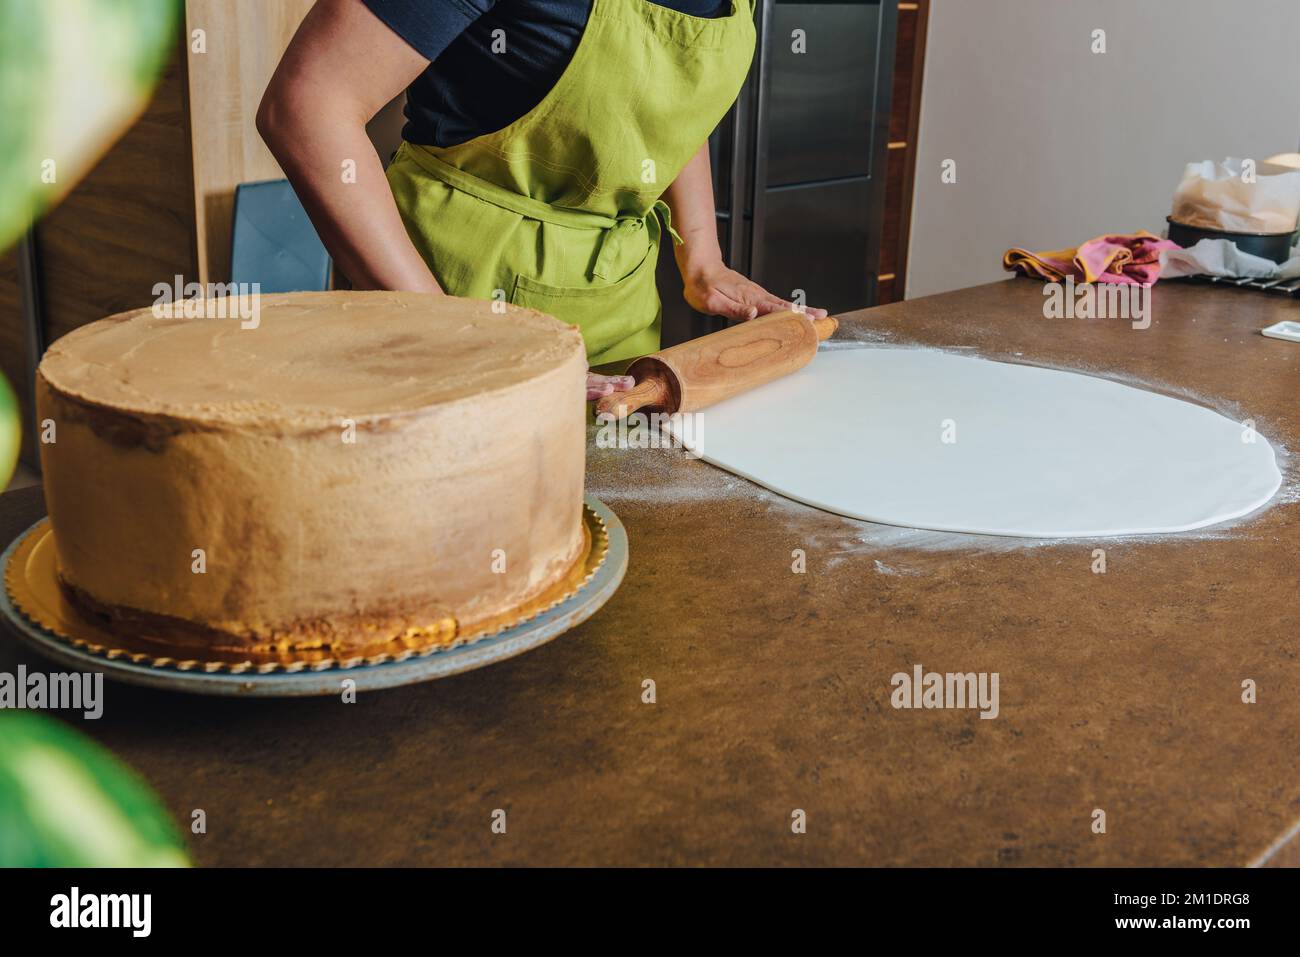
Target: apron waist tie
[620,234]
[618,230]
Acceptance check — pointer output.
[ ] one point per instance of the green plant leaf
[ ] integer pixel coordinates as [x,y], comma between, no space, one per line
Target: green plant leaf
[73,75]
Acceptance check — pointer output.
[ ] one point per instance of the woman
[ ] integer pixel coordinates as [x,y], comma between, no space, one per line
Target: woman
[545,139]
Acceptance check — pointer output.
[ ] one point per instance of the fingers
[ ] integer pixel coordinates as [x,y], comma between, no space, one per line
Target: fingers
[771,304]
[599,386]
[812,312]
[719,303]
[764,303]
[732,296]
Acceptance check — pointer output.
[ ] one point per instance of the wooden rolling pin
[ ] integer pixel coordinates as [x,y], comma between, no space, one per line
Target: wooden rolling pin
[711,368]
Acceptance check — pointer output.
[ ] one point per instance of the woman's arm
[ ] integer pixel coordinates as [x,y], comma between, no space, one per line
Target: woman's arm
[710,287]
[342,66]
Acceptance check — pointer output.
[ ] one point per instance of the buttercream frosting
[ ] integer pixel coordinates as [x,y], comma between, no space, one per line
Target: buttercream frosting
[349,463]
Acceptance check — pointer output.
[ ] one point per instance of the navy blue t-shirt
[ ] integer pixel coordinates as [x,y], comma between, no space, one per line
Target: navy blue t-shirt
[469,90]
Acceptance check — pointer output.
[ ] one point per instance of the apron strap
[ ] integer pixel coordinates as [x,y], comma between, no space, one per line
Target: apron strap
[614,249]
[667,215]
[490,192]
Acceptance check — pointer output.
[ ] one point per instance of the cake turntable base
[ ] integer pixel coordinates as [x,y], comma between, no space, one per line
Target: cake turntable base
[606,565]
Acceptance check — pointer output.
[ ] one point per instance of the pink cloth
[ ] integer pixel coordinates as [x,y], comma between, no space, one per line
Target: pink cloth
[1116,258]
[1131,259]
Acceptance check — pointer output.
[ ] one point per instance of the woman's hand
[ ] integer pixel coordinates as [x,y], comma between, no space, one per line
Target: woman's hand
[599,386]
[710,286]
[716,290]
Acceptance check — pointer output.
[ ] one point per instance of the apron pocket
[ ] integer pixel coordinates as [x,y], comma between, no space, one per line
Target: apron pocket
[605,314]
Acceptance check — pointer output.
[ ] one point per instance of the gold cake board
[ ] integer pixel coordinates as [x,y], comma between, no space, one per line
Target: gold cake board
[41,611]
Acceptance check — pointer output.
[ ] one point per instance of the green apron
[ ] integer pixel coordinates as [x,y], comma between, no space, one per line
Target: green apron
[557,211]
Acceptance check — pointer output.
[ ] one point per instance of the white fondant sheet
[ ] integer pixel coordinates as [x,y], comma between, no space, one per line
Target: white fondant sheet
[1035,452]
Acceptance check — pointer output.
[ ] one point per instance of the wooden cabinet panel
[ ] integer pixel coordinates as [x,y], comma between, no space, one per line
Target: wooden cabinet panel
[895,176]
[243,41]
[13,349]
[128,225]
[904,65]
[904,123]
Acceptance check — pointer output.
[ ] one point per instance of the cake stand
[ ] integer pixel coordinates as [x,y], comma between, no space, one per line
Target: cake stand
[329,677]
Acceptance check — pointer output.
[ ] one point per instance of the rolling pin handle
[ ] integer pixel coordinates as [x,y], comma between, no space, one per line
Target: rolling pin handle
[649,391]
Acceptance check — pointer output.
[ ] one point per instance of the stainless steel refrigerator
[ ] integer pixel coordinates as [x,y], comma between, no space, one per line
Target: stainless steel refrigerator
[799,161]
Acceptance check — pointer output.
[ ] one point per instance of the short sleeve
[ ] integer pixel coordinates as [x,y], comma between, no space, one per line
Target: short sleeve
[429,26]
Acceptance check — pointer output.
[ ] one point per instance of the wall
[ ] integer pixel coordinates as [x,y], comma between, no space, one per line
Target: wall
[1055,144]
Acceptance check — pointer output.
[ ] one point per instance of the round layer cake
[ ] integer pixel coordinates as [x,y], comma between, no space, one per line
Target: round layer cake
[335,470]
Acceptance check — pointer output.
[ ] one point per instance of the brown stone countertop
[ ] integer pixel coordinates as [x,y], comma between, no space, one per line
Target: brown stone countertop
[1118,691]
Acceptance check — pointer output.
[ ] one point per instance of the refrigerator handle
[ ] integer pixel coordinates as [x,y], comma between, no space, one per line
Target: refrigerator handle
[759,148]
[737,176]
[741,172]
